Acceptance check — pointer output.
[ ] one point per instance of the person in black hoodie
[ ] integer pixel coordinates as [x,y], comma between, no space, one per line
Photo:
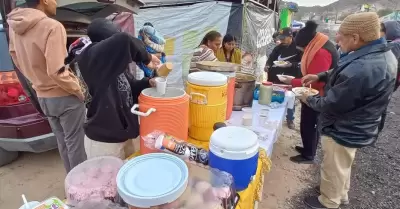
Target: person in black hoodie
[390,30]
[285,51]
[110,125]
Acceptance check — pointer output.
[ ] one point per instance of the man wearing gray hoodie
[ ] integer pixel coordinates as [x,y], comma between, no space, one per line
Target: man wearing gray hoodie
[391,31]
[38,49]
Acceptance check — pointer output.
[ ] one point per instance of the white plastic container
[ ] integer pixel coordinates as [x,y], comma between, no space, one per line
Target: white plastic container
[151,180]
[247,119]
[235,150]
[291,97]
[161,85]
[265,95]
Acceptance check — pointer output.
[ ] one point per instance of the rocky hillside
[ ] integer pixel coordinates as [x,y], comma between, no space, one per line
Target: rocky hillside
[345,7]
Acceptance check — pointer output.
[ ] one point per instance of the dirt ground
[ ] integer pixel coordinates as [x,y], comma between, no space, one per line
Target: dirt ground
[40,176]
[374,181]
[285,179]
[376,170]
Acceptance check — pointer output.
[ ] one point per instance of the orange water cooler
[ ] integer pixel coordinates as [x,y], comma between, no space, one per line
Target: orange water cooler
[168,113]
[231,92]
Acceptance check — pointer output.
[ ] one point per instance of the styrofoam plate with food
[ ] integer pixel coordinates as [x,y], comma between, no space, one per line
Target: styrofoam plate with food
[284,77]
[280,63]
[298,91]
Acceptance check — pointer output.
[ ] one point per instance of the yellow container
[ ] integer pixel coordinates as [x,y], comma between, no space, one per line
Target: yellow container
[208,100]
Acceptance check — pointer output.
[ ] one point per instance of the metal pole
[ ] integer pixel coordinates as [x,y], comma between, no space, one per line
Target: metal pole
[275,22]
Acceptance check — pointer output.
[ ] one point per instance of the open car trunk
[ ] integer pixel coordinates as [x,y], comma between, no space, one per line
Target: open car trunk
[75,15]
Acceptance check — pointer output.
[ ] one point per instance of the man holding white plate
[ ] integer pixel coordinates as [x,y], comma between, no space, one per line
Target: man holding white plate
[284,60]
[319,55]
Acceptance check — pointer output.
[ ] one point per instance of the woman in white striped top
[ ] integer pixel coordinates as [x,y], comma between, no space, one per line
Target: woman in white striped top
[206,50]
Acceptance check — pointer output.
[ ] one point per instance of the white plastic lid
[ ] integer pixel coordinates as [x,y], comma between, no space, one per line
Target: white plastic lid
[205,78]
[234,143]
[170,93]
[152,179]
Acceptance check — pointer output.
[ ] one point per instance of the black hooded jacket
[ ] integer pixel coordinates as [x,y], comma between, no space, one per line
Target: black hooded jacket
[287,53]
[103,66]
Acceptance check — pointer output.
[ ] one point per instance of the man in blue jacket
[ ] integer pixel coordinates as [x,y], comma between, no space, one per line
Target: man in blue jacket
[357,93]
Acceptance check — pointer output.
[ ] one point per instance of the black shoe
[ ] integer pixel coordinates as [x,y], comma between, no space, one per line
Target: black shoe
[290,124]
[313,202]
[301,160]
[317,189]
[342,202]
[299,149]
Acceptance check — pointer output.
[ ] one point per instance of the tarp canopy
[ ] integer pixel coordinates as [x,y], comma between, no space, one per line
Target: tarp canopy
[155,3]
[183,27]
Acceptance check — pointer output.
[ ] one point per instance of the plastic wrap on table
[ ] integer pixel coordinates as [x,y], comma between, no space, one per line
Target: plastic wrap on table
[158,140]
[278,94]
[221,182]
[52,203]
[291,98]
[94,179]
[206,189]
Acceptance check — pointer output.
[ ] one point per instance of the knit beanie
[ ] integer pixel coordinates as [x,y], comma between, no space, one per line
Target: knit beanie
[392,30]
[365,24]
[100,29]
[306,34]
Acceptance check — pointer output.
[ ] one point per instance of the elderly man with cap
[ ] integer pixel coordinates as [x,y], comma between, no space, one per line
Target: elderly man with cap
[285,51]
[356,94]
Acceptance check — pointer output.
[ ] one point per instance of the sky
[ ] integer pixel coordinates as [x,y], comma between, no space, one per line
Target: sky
[309,3]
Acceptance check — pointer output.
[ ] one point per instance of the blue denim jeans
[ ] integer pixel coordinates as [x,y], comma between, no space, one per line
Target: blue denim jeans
[290,114]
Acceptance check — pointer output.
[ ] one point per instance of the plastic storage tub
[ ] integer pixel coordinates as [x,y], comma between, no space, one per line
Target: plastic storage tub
[163,181]
[235,150]
[93,179]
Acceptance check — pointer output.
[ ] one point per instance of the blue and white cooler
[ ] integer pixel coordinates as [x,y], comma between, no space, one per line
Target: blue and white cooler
[235,150]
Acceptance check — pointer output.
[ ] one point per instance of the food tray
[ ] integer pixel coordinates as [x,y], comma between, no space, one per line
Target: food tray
[218,66]
[280,63]
[282,77]
[298,91]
